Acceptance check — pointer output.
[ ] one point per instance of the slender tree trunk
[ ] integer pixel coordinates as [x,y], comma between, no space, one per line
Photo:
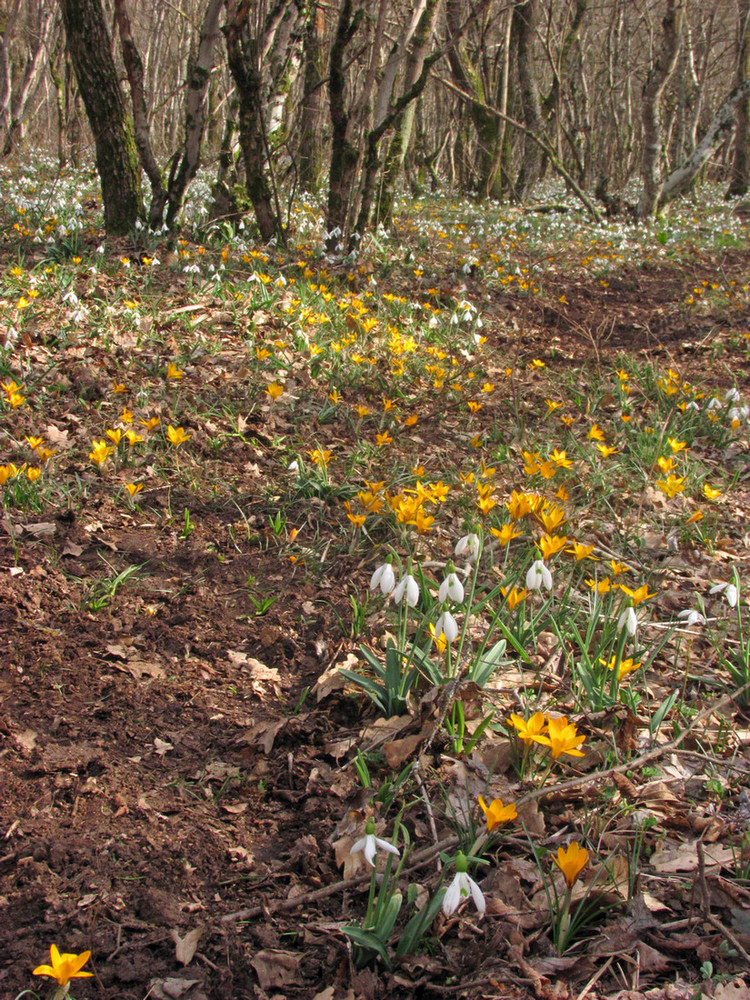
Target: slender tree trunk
[134,68]
[404,123]
[6,71]
[310,156]
[740,179]
[117,163]
[243,57]
[468,79]
[344,155]
[721,125]
[651,114]
[199,73]
[26,86]
[524,26]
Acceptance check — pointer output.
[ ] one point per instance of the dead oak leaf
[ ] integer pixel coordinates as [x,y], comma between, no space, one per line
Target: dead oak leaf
[275,968]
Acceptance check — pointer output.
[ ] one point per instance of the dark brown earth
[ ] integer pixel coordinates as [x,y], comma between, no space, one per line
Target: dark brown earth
[165,764]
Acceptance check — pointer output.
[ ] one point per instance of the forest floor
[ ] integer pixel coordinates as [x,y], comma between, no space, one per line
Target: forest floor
[183,770]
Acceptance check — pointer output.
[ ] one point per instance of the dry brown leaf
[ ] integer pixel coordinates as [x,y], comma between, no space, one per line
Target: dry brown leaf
[263,734]
[736,990]
[186,947]
[276,968]
[173,988]
[684,857]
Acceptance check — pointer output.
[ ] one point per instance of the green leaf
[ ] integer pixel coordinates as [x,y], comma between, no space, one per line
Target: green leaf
[366,939]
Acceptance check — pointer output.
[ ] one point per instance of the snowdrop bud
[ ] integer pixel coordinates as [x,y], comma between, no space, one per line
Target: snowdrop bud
[407,588]
[451,587]
[384,578]
[538,576]
[467,545]
[447,624]
[628,620]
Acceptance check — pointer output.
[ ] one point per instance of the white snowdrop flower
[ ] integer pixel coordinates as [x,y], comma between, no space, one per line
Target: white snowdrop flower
[692,405]
[732,395]
[729,590]
[538,576]
[293,466]
[462,886]
[71,297]
[384,578]
[407,588]
[467,545]
[451,587]
[628,620]
[447,625]
[370,844]
[713,404]
[433,322]
[691,616]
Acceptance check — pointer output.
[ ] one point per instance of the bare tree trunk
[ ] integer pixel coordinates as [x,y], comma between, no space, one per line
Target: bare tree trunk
[117,163]
[243,53]
[524,22]
[468,80]
[656,81]
[721,125]
[32,74]
[310,156]
[404,121]
[740,179]
[199,72]
[6,77]
[134,68]
[344,155]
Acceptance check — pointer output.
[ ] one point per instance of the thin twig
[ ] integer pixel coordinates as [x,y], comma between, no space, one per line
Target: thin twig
[418,859]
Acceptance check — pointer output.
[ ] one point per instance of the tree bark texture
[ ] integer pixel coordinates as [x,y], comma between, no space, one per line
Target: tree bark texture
[243,57]
[740,179]
[134,68]
[404,122]
[721,125]
[117,163]
[344,155]
[651,114]
[524,26]
[199,73]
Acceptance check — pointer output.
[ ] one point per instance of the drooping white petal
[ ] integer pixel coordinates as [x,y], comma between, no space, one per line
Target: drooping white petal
[407,588]
[628,620]
[370,849]
[478,896]
[538,576]
[384,845]
[451,587]
[467,545]
[384,578]
[447,624]
[358,845]
[692,617]
[452,897]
